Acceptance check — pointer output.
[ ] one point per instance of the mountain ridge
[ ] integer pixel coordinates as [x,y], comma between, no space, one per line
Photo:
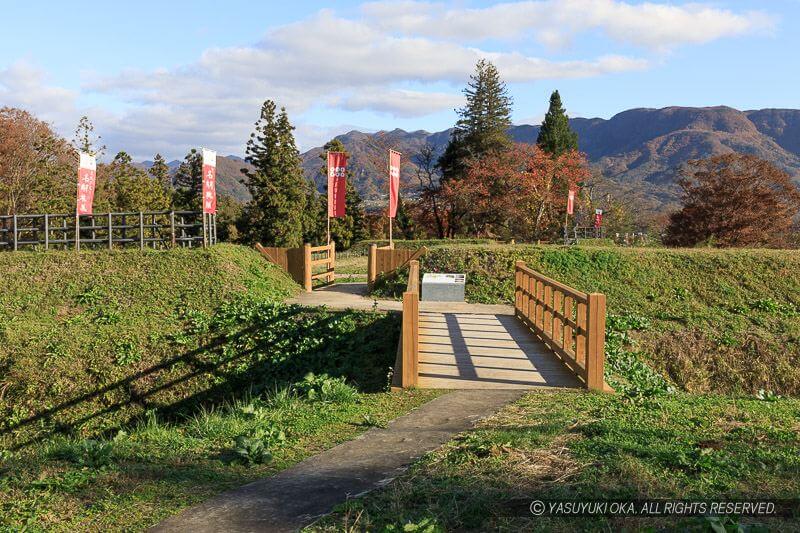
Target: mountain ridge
[641,148]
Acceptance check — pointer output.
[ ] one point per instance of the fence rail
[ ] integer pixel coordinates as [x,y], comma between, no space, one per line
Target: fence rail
[569,322]
[156,229]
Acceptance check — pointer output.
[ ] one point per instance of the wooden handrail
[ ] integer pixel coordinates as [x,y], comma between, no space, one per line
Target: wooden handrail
[408,348]
[570,322]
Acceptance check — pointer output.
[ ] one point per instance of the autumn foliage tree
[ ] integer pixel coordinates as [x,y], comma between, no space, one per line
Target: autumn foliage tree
[734,200]
[36,165]
[520,192]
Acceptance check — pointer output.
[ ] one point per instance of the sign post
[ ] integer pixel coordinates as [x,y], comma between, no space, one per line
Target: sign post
[394,189]
[337,186]
[209,194]
[87,179]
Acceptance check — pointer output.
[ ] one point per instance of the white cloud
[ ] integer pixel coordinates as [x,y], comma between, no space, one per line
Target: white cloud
[25,86]
[396,60]
[400,103]
[556,22]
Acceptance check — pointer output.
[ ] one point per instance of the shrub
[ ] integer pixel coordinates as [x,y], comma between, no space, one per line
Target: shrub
[325,389]
[254,446]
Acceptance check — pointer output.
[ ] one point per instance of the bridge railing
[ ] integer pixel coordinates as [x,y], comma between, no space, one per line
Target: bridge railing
[384,260]
[407,365]
[570,322]
[303,263]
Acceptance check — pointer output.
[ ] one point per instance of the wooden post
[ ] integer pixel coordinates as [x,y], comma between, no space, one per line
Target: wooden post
[46,231]
[205,228]
[14,231]
[372,264]
[307,284]
[595,344]
[141,230]
[410,341]
[172,227]
[332,265]
[569,303]
[558,324]
[110,233]
[518,276]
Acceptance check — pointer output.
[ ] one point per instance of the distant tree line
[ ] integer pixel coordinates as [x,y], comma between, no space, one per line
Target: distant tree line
[483,185]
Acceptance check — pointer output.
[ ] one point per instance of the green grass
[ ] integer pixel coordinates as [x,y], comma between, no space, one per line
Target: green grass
[89,340]
[133,384]
[713,320]
[155,468]
[572,445]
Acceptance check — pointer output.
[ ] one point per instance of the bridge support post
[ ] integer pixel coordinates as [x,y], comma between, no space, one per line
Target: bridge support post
[307,271]
[372,264]
[595,345]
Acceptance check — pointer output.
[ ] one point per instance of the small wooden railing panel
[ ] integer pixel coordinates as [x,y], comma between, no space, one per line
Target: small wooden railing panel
[569,322]
[387,259]
[406,371]
[300,263]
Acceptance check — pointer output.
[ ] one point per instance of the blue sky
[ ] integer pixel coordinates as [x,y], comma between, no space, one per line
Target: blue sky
[166,76]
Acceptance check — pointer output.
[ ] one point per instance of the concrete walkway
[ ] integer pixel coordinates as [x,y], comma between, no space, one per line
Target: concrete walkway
[296,497]
[354,296]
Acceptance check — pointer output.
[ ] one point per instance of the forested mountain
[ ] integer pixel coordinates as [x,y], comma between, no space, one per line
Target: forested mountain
[638,149]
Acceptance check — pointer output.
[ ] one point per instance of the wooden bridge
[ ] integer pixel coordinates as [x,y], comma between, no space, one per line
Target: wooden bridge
[553,336]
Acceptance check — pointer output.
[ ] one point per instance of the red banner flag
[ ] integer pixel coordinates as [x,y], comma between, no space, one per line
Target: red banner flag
[571,202]
[337,183]
[87,178]
[394,182]
[598,218]
[209,181]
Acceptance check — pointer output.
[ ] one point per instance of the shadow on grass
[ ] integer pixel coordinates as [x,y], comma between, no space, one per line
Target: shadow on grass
[245,348]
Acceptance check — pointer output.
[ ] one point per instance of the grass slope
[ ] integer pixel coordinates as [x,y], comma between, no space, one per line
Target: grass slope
[578,446]
[711,320]
[86,337]
[135,384]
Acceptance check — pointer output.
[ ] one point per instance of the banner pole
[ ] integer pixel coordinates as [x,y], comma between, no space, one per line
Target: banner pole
[329,230]
[77,231]
[390,233]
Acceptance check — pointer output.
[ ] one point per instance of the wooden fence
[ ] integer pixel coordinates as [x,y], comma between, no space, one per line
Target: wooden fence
[156,229]
[387,259]
[301,263]
[570,322]
[406,368]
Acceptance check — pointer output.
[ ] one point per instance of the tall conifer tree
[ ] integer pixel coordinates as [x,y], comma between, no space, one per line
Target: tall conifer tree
[189,182]
[160,171]
[555,135]
[275,214]
[481,130]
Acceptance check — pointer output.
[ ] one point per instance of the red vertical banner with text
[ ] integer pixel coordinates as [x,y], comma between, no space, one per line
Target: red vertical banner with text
[571,202]
[337,183]
[394,182]
[87,178]
[209,181]
[598,218]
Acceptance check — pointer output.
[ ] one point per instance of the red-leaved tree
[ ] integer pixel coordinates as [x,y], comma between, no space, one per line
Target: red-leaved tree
[734,200]
[520,192]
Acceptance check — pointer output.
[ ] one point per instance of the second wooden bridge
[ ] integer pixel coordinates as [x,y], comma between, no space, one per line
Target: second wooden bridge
[553,336]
